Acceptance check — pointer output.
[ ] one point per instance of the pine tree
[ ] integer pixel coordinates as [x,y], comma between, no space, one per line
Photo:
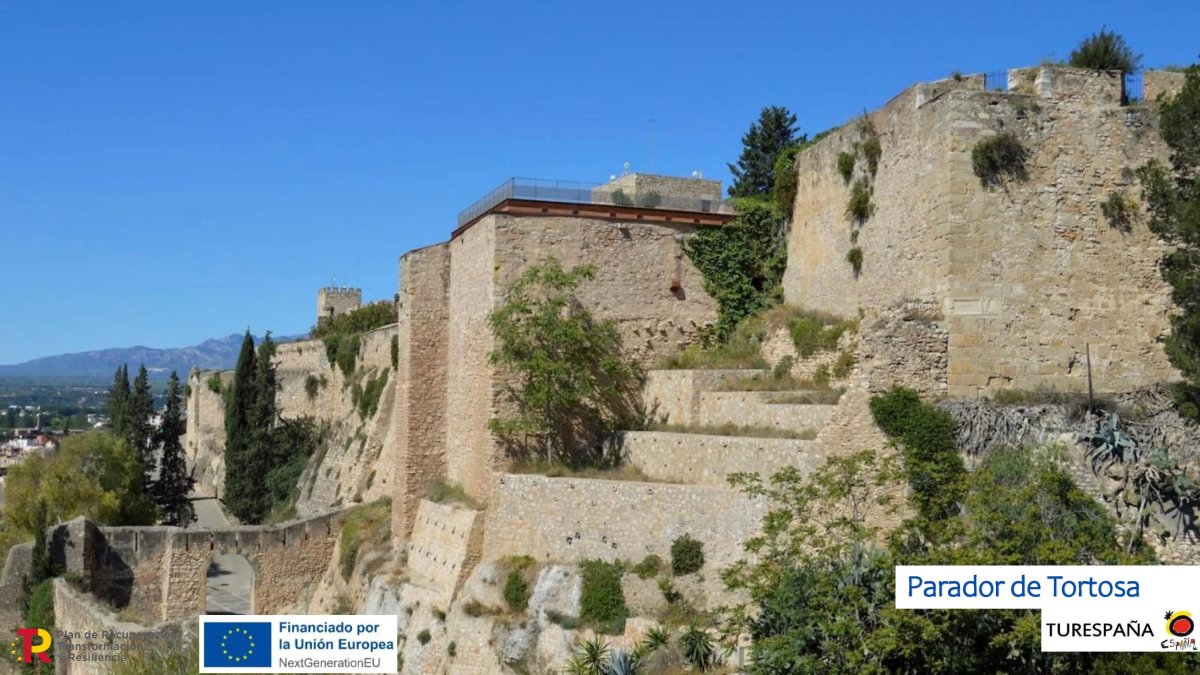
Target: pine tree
[41,566]
[242,484]
[139,430]
[118,396]
[173,486]
[754,173]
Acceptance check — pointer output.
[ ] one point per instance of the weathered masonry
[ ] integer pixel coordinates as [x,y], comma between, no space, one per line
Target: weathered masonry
[1028,274]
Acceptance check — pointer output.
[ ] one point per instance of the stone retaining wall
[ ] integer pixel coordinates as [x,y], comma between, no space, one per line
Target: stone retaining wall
[697,459]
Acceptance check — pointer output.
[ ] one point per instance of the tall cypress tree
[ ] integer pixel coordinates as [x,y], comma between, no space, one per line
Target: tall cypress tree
[754,173]
[173,486]
[41,566]
[139,429]
[118,396]
[242,485]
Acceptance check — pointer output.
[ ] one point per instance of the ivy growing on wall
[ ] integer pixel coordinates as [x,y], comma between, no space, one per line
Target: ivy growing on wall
[742,262]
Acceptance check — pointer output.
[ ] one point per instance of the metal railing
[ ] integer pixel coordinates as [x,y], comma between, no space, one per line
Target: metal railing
[995,81]
[1133,91]
[578,192]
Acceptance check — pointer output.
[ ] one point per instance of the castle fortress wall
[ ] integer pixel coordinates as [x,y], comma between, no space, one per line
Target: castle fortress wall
[1027,274]
[636,264]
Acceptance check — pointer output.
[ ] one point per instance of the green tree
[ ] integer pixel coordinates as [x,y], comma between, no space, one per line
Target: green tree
[41,566]
[1173,199]
[570,382]
[786,179]
[93,474]
[742,263]
[139,427]
[118,395]
[1105,50]
[174,484]
[243,489]
[754,173]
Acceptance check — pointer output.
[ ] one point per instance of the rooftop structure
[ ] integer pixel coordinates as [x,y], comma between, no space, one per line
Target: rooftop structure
[634,196]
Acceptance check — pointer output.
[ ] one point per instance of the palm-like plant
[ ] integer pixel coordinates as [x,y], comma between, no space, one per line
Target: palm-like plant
[699,649]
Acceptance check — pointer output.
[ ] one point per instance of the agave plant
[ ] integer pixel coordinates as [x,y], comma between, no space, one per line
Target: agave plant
[699,649]
[1109,444]
[621,662]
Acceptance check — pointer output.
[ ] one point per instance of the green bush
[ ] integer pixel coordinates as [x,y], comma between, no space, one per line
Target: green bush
[601,600]
[871,151]
[342,350]
[1105,51]
[395,352]
[560,619]
[855,257]
[998,157]
[312,386]
[41,606]
[845,166]
[424,637]
[845,361]
[619,198]
[649,567]
[365,318]
[1119,211]
[516,591]
[368,398]
[859,207]
[214,383]
[934,470]
[670,593]
[687,555]
[812,333]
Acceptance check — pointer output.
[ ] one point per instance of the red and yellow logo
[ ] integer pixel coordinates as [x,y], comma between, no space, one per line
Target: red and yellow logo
[1180,624]
[33,642]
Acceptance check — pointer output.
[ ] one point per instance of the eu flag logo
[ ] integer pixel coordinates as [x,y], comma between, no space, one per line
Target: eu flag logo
[237,644]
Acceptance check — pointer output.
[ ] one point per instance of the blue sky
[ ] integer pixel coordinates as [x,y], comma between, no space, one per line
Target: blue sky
[174,171]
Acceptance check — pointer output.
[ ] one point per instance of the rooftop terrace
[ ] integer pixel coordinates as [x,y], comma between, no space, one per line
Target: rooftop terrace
[629,197]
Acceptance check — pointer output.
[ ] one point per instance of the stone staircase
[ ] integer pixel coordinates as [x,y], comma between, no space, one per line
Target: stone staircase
[771,429]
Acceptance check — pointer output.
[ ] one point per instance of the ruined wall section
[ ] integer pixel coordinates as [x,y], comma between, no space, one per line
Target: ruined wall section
[1037,272]
[419,427]
[355,465]
[1027,274]
[205,443]
[905,251]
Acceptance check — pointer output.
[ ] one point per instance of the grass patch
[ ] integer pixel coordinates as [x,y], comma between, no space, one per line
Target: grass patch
[366,527]
[735,430]
[445,492]
[626,472]
[649,567]
[814,332]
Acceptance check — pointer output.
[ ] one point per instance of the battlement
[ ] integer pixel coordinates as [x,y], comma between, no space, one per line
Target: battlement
[337,300]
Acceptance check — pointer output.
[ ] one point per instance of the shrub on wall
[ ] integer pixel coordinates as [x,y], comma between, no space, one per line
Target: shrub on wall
[365,318]
[601,600]
[845,166]
[649,200]
[859,207]
[395,352]
[1105,50]
[312,386]
[786,179]
[619,198]
[368,399]
[649,567]
[855,257]
[999,157]
[687,555]
[1119,211]
[342,351]
[214,383]
[871,151]
[814,332]
[516,591]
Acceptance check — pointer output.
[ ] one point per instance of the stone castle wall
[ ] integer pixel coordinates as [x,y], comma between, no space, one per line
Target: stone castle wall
[696,459]
[1027,274]
[569,520]
[205,447]
[446,543]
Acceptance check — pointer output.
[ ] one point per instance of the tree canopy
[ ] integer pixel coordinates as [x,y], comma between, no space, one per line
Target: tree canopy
[1105,50]
[570,383]
[754,172]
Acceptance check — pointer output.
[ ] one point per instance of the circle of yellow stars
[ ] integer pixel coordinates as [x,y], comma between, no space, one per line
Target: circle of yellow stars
[17,649]
[230,633]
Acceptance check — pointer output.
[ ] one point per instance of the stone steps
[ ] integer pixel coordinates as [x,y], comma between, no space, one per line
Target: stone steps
[755,409]
[700,459]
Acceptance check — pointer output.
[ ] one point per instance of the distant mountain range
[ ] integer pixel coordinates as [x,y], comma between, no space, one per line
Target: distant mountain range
[216,354]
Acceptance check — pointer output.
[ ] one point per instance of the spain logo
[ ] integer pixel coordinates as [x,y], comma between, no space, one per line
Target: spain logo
[1180,624]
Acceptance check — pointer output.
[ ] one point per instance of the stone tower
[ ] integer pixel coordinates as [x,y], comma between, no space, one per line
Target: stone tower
[337,300]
